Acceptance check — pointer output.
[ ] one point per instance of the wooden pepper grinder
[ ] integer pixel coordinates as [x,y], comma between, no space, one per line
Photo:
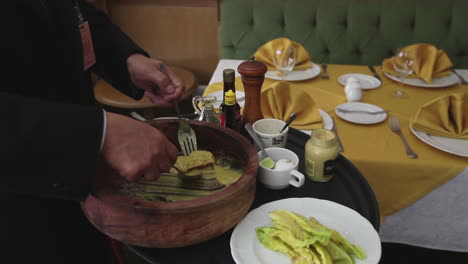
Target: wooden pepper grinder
[253,75]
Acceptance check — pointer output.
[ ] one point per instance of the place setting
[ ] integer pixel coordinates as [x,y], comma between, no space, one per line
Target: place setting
[420,65]
[442,124]
[287,60]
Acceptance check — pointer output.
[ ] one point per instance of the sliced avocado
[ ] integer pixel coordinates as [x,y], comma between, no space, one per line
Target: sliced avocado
[272,242]
[323,253]
[340,241]
[287,219]
[338,255]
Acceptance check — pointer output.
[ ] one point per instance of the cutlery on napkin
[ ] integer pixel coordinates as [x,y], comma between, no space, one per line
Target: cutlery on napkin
[429,62]
[282,99]
[445,116]
[264,53]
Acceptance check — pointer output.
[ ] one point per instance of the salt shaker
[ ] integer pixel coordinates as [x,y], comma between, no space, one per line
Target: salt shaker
[353,90]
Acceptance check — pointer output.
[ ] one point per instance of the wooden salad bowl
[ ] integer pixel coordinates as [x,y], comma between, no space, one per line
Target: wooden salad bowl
[176,224]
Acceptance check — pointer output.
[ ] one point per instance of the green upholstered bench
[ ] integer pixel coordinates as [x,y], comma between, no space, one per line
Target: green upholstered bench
[346,31]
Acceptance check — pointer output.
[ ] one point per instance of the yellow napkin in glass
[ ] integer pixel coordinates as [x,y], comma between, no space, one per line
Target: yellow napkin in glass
[282,99]
[429,62]
[264,53]
[445,116]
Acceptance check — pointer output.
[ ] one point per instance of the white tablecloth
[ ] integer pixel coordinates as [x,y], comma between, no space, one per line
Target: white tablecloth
[439,220]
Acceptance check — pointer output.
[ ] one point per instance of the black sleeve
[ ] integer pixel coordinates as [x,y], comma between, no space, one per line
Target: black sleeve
[48,149]
[112,47]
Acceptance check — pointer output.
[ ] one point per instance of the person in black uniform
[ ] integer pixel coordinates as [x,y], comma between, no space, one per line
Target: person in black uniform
[54,132]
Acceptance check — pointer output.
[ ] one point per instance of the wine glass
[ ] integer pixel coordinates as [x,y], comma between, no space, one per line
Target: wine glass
[403,65]
[284,59]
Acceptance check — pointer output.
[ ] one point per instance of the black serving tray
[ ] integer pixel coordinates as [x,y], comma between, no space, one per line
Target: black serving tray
[348,188]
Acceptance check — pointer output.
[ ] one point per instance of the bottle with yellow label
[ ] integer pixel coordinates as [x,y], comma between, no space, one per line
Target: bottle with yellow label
[230,115]
[321,151]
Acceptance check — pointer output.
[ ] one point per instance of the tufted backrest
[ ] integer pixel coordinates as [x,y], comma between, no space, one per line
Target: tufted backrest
[346,31]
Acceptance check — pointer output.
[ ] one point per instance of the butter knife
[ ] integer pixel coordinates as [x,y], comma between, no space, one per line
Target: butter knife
[371,68]
[463,81]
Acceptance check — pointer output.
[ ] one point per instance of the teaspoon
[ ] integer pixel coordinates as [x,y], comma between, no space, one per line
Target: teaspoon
[267,162]
[291,118]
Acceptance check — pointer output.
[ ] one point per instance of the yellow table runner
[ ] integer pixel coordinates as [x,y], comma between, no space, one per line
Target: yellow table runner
[377,152]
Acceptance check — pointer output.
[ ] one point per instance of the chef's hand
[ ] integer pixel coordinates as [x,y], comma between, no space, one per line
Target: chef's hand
[135,149]
[160,83]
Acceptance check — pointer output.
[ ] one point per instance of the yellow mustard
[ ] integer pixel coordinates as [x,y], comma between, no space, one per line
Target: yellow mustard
[321,151]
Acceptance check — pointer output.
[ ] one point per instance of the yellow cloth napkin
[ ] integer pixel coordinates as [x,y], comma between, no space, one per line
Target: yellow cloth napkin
[445,116]
[429,62]
[282,99]
[264,53]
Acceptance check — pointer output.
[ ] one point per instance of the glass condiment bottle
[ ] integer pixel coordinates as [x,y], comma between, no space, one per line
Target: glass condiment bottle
[207,112]
[230,116]
[321,151]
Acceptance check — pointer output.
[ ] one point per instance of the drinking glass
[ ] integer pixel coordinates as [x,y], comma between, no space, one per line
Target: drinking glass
[403,64]
[284,60]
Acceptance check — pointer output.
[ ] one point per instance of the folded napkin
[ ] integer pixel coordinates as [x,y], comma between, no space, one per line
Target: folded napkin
[429,62]
[445,116]
[264,53]
[282,99]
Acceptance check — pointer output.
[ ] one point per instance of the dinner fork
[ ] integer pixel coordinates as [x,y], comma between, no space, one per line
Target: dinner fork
[185,135]
[325,74]
[395,127]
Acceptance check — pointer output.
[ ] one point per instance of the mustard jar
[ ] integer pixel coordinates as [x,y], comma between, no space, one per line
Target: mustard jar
[321,151]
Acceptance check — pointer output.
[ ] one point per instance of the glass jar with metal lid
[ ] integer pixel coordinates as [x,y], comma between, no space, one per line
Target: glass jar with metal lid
[321,151]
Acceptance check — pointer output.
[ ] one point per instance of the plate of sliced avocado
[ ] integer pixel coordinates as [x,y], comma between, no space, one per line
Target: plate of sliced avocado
[305,230]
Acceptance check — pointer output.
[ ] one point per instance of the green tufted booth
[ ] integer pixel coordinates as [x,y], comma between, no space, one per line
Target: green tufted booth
[346,31]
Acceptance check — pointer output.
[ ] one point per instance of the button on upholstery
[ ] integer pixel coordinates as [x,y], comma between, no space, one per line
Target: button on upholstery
[58,185]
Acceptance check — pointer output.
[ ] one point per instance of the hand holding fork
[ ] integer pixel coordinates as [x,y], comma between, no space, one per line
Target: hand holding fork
[185,134]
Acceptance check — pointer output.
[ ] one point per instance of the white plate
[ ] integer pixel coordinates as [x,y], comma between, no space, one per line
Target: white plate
[245,248]
[361,118]
[436,82]
[450,145]
[219,98]
[367,82]
[296,75]
[326,119]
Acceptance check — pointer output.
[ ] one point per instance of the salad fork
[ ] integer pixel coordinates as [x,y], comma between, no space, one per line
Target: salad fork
[395,127]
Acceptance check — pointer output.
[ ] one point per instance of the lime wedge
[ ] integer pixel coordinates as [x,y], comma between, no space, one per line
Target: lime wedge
[267,163]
